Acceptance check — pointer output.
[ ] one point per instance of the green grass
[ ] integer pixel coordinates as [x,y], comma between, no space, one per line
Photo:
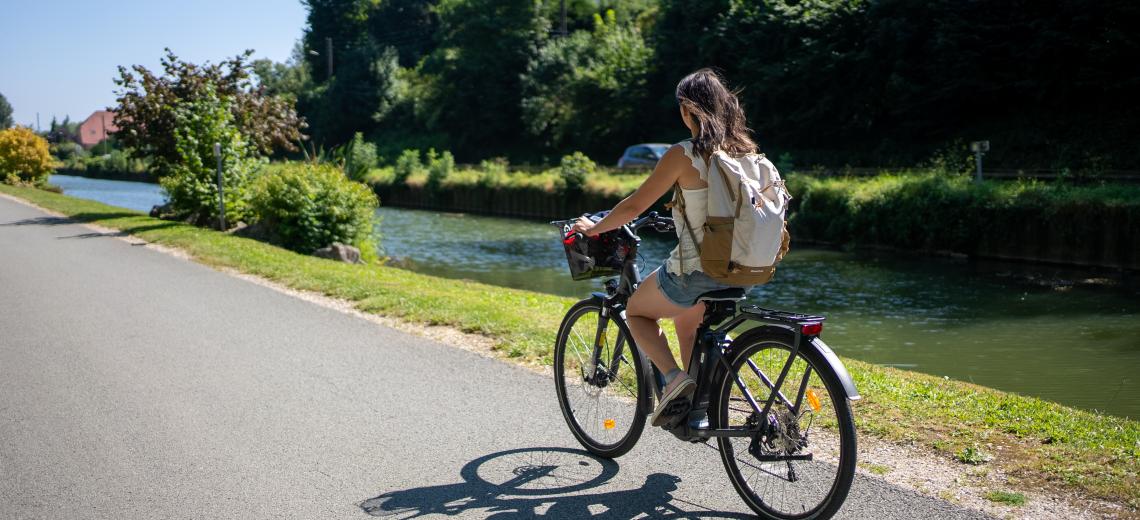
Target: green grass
[878,469]
[1040,443]
[1006,497]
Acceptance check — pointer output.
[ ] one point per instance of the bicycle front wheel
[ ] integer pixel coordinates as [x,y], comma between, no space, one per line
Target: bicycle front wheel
[773,472]
[601,380]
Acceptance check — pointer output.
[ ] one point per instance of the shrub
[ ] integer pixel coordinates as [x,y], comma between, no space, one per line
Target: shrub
[407,164]
[68,152]
[24,157]
[576,168]
[115,161]
[192,181]
[439,167]
[359,157]
[494,172]
[305,207]
[106,146]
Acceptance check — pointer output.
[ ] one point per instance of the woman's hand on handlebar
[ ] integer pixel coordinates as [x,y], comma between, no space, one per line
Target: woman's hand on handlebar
[584,226]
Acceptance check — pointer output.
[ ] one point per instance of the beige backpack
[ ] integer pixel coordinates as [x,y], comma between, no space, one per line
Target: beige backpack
[746,233]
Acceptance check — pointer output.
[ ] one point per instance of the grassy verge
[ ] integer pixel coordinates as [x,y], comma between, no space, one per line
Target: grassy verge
[603,182]
[1037,442]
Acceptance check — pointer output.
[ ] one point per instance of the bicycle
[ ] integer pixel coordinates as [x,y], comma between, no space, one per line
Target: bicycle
[788,443]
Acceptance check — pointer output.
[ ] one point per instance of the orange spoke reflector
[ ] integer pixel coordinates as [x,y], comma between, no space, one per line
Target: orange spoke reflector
[608,424]
[813,400]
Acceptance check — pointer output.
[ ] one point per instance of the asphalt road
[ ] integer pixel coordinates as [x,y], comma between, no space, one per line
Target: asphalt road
[137,385]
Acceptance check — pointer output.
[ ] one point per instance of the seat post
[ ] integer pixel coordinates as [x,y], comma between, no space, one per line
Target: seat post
[717,311]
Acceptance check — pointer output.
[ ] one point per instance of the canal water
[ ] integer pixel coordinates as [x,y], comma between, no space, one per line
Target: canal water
[1066,335]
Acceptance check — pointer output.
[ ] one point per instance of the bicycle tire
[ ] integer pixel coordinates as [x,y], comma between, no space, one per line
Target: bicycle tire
[633,401]
[823,447]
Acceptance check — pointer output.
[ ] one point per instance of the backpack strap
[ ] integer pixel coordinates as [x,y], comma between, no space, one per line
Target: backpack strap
[737,196]
[679,203]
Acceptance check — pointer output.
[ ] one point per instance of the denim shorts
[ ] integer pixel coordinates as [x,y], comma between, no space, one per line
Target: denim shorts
[684,289]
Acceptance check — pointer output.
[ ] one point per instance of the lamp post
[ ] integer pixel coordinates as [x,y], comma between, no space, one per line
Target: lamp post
[979,148]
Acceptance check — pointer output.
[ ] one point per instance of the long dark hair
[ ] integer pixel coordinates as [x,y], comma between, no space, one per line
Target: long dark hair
[717,112]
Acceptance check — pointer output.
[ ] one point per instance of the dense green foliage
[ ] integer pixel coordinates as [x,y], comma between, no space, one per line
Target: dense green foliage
[24,157]
[305,207]
[105,160]
[940,211]
[5,113]
[192,179]
[826,82]
[475,86]
[574,80]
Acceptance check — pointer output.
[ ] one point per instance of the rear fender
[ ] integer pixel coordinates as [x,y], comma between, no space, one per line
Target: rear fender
[814,346]
[836,365]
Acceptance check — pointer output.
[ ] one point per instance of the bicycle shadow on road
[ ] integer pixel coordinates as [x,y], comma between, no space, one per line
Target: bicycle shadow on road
[540,482]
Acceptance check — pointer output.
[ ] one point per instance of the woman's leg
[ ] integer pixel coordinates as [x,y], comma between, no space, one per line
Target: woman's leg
[686,324]
[646,306]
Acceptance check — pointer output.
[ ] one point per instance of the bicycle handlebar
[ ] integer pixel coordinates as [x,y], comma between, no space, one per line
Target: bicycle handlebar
[659,223]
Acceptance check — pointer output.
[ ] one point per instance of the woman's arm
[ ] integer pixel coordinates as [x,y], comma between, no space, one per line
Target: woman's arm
[664,176]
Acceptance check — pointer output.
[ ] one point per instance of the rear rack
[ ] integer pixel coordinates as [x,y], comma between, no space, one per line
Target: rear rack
[770,315]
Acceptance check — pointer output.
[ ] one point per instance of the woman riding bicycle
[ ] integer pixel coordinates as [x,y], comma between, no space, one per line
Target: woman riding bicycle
[714,116]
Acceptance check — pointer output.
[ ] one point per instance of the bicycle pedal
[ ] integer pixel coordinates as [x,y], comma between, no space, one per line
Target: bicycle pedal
[677,407]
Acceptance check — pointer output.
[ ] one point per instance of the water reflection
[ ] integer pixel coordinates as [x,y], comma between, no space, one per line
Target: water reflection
[1066,335]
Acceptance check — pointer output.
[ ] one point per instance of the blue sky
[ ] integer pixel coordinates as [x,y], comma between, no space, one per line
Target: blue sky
[60,57]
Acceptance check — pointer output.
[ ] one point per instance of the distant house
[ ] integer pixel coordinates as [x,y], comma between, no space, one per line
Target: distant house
[96,128]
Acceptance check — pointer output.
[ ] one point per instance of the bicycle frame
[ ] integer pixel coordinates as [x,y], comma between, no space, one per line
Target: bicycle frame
[711,352]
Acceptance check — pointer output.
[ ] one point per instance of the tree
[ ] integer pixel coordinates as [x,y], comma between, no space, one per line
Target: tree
[410,26]
[572,80]
[63,132]
[357,97]
[474,75]
[365,84]
[345,23]
[5,113]
[290,80]
[148,104]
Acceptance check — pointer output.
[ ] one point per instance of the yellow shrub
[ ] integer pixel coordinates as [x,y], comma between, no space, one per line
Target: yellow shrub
[24,157]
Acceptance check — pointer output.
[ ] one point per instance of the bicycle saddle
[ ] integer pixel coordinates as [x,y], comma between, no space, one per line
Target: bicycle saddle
[720,295]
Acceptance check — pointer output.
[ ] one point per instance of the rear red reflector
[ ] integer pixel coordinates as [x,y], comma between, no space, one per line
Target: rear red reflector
[811,329]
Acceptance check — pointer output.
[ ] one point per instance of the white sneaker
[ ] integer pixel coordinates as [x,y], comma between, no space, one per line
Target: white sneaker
[682,387]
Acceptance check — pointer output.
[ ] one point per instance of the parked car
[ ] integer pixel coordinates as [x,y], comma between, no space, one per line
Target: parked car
[643,155]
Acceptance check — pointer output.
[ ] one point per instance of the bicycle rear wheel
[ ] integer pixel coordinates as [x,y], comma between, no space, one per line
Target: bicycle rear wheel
[821,426]
[601,380]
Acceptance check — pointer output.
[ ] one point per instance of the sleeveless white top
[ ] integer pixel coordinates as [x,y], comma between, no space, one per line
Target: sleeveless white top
[696,208]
